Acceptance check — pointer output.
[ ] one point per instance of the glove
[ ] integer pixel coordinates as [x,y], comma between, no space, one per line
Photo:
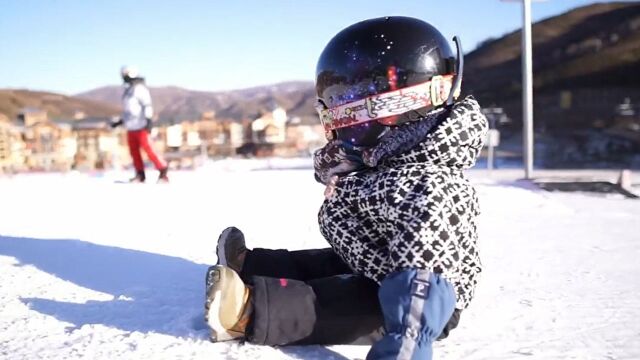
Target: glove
[115,124]
[416,305]
[149,125]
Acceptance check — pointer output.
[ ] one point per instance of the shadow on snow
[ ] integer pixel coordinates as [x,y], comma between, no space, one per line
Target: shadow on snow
[152,292]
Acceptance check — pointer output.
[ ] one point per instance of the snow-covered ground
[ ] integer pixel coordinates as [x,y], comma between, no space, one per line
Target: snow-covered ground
[91,268]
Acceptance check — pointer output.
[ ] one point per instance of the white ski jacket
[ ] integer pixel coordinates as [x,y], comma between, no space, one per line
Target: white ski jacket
[136,105]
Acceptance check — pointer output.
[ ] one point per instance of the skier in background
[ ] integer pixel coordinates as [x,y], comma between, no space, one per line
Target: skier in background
[399,214]
[137,114]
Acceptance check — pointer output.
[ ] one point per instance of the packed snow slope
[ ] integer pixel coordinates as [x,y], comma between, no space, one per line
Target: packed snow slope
[95,269]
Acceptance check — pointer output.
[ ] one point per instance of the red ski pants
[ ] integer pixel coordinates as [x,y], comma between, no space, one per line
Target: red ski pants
[139,139]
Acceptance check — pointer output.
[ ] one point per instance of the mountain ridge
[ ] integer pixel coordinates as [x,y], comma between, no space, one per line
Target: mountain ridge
[58,106]
[177,103]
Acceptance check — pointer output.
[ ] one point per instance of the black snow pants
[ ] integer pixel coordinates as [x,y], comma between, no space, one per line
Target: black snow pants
[311,297]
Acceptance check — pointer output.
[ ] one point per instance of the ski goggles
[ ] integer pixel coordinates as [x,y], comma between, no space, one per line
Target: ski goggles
[385,107]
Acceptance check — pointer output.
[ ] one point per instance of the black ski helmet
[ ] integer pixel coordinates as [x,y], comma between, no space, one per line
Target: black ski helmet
[383,72]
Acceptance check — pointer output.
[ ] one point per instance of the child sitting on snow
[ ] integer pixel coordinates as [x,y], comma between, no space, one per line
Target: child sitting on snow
[399,215]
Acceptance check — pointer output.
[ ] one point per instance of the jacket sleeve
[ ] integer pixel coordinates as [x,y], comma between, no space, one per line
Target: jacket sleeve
[144,97]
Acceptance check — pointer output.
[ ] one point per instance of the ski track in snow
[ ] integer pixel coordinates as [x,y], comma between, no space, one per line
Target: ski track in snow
[98,270]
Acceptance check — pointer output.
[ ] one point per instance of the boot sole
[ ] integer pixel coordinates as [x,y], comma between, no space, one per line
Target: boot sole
[222,244]
[225,306]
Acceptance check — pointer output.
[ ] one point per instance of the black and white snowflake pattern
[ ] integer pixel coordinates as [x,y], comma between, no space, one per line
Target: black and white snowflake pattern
[416,209]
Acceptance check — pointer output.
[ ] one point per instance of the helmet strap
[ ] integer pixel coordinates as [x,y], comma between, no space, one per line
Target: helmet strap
[457,81]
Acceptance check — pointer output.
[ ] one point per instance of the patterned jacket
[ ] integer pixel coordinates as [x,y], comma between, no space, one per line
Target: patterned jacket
[415,209]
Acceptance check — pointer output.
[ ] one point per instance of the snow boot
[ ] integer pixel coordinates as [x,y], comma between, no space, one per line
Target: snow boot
[162,177]
[231,249]
[138,178]
[228,304]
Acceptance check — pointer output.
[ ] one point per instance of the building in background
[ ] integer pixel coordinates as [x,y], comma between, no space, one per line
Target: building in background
[267,134]
[12,147]
[32,116]
[34,142]
[303,136]
[44,141]
[270,127]
[97,146]
[188,142]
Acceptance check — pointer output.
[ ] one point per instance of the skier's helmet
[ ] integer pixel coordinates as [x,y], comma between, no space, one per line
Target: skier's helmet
[380,73]
[129,73]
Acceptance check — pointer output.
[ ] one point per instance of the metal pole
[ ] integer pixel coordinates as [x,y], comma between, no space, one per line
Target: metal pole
[490,157]
[527,90]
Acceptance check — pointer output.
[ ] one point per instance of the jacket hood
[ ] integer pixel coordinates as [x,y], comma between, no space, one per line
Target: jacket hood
[455,142]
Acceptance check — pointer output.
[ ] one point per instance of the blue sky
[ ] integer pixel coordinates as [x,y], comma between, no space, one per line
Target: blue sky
[70,46]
